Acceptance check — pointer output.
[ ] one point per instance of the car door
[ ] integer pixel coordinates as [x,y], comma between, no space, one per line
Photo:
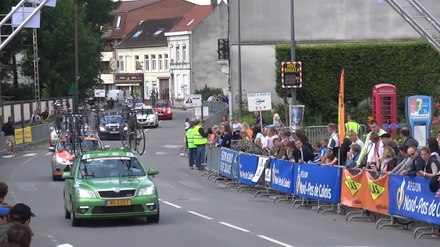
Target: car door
[68,186]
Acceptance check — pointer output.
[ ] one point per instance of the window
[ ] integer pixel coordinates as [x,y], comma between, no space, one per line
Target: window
[137,63]
[166,61]
[177,54]
[147,62]
[153,62]
[137,33]
[183,53]
[160,61]
[121,63]
[118,22]
[159,31]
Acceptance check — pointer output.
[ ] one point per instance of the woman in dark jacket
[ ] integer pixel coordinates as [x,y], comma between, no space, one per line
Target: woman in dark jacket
[227,137]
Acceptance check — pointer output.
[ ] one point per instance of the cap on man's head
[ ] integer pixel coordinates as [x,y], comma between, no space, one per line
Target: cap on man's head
[4,211]
[21,211]
[385,135]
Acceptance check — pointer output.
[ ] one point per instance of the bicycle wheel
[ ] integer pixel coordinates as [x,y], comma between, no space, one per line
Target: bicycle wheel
[123,135]
[140,140]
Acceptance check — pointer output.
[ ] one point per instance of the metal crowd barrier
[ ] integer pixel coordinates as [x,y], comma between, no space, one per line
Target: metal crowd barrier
[318,133]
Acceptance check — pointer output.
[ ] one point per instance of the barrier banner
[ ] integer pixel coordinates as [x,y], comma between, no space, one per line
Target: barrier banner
[282,176]
[353,189]
[317,182]
[378,199]
[247,167]
[410,197]
[229,163]
[18,136]
[27,134]
[260,168]
[268,172]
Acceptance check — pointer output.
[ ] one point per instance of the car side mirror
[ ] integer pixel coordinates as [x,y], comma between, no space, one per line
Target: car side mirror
[107,146]
[152,171]
[67,175]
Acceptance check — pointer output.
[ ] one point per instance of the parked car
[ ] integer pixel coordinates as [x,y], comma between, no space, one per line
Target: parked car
[109,184]
[65,151]
[146,117]
[163,109]
[111,125]
[138,102]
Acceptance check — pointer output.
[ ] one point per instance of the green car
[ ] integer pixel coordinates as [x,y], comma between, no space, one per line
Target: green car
[109,184]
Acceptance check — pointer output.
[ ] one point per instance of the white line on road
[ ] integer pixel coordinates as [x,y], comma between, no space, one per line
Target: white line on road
[29,154]
[200,215]
[274,241]
[33,157]
[232,226]
[49,153]
[171,204]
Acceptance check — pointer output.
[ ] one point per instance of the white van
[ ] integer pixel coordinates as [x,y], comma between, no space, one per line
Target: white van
[118,95]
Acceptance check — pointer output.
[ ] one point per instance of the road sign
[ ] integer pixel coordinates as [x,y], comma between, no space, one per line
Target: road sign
[193,100]
[259,102]
[99,93]
[291,74]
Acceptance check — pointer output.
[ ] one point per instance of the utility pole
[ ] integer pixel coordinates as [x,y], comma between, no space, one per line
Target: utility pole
[76,89]
[292,43]
[240,91]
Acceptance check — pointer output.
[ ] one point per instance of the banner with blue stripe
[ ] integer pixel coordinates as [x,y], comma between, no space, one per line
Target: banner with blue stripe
[247,167]
[229,163]
[281,176]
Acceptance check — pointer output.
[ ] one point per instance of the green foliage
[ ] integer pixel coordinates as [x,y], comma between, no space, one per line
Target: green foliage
[410,66]
[206,92]
[21,92]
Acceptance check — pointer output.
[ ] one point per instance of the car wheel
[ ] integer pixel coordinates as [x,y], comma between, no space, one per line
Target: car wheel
[154,218]
[73,220]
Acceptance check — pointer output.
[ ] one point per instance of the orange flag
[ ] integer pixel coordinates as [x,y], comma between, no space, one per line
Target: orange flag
[341,109]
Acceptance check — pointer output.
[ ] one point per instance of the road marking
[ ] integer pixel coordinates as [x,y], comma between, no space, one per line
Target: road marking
[29,154]
[146,130]
[232,226]
[172,146]
[49,153]
[172,205]
[161,153]
[200,215]
[274,241]
[8,156]
[33,157]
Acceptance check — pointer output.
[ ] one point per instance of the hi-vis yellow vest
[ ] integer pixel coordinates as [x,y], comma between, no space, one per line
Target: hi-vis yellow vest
[190,138]
[198,139]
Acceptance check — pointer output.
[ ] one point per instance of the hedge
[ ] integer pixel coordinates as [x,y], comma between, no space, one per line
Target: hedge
[412,66]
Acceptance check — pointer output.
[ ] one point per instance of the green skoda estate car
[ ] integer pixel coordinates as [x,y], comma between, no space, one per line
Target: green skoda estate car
[109,184]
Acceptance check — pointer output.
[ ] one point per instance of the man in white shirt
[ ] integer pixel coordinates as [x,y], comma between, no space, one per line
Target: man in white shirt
[355,139]
[375,150]
[333,143]
[276,119]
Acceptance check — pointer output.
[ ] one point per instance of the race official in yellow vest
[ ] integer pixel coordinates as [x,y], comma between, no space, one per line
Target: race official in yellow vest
[351,125]
[190,144]
[200,140]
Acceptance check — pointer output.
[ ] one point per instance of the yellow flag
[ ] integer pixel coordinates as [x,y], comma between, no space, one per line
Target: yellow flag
[341,109]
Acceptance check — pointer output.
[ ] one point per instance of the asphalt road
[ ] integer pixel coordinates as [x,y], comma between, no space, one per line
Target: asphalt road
[194,211]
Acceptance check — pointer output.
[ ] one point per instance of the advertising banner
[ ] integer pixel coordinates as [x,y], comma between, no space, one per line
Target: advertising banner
[282,176]
[410,197]
[229,163]
[296,115]
[247,168]
[27,134]
[18,136]
[260,169]
[353,189]
[377,198]
[259,102]
[317,182]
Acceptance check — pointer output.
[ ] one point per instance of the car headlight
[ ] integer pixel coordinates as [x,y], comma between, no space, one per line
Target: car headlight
[125,128]
[82,193]
[147,191]
[53,136]
[62,161]
[101,128]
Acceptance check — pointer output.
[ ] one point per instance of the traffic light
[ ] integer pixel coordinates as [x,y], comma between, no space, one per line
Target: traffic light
[223,49]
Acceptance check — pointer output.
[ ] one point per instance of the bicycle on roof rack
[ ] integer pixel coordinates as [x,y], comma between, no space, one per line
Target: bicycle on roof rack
[133,136]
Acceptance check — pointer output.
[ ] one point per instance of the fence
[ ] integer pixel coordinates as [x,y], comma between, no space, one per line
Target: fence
[216,112]
[23,110]
[318,133]
[30,134]
[332,188]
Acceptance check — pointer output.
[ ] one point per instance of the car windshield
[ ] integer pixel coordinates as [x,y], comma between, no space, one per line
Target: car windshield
[110,167]
[147,111]
[85,145]
[162,104]
[112,119]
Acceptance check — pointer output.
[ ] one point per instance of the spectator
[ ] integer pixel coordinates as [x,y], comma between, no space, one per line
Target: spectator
[351,125]
[35,118]
[320,157]
[374,129]
[417,163]
[187,124]
[438,137]
[19,234]
[375,151]
[406,161]
[8,130]
[19,214]
[224,119]
[290,152]
[353,155]
[345,148]
[334,138]
[236,127]
[272,134]
[388,160]
[434,147]
[276,119]
[4,212]
[258,119]
[45,114]
[330,158]
[432,165]
[192,148]
[200,140]
[303,153]
[3,193]
[227,137]
[355,139]
[255,131]
[248,130]
[407,139]
[300,135]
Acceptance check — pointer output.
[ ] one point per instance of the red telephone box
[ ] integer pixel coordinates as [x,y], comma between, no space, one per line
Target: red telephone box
[385,106]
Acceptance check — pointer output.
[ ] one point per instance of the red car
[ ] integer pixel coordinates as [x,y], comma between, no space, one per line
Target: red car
[163,109]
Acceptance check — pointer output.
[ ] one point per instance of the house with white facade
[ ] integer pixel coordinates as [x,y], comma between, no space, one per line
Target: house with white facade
[181,48]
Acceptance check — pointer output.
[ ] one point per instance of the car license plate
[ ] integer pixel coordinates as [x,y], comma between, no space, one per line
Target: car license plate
[116,203]
[114,132]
